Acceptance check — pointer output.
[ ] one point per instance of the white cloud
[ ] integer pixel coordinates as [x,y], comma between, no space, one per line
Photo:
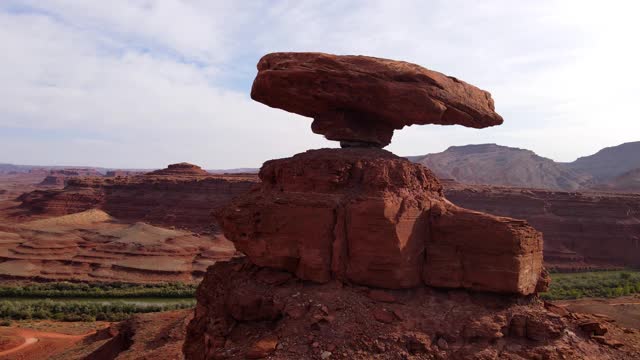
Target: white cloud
[146,83]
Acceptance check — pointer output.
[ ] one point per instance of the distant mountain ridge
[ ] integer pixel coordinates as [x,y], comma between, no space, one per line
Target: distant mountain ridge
[609,162]
[629,181]
[493,164]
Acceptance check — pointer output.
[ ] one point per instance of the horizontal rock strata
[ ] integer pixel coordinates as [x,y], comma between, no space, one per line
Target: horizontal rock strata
[183,195]
[370,217]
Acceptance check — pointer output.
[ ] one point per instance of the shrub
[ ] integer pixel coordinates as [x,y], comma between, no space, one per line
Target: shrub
[592,284]
[79,310]
[65,289]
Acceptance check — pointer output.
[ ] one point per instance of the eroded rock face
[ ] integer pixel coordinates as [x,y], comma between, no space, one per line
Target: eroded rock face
[360,100]
[372,218]
[60,177]
[582,230]
[182,195]
[474,250]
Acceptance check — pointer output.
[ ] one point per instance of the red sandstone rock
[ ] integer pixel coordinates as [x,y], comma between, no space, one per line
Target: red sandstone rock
[263,348]
[433,325]
[382,296]
[157,336]
[594,327]
[363,99]
[534,327]
[53,180]
[475,250]
[383,315]
[370,217]
[417,342]
[582,230]
[60,177]
[120,173]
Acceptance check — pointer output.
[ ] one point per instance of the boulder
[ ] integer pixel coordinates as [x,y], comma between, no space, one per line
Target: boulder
[361,100]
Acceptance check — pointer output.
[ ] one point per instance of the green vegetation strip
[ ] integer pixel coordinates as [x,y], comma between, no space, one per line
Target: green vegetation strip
[66,301]
[602,284]
[99,290]
[79,310]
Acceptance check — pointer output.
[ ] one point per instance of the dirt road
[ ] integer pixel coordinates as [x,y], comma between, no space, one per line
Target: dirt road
[37,344]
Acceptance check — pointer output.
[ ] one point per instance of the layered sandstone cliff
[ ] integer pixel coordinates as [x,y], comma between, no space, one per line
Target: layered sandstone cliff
[181,195]
[60,177]
[94,246]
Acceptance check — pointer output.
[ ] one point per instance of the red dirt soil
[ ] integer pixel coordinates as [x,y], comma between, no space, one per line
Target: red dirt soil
[36,344]
[624,310]
[157,336]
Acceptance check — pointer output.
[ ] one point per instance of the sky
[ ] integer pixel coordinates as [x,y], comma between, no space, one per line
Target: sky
[142,83]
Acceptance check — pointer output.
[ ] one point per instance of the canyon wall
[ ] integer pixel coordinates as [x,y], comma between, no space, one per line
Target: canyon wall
[165,198]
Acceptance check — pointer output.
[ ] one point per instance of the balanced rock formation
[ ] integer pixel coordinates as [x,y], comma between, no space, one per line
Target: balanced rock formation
[365,215]
[325,220]
[361,100]
[372,218]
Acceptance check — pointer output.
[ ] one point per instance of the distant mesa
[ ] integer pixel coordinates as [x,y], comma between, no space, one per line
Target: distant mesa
[180,169]
[59,177]
[361,100]
[182,195]
[117,173]
[53,180]
[76,172]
